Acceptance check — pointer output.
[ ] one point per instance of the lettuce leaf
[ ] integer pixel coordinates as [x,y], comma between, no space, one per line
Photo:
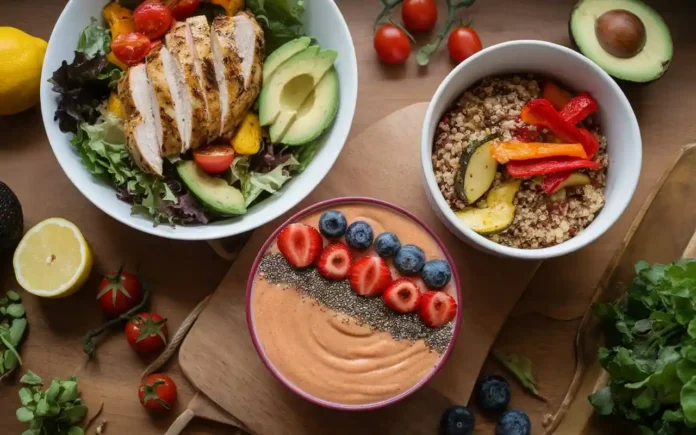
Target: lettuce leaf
[281,20]
[254,183]
[94,40]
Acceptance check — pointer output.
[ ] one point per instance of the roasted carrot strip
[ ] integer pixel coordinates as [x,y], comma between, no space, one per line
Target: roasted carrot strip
[503,152]
[558,96]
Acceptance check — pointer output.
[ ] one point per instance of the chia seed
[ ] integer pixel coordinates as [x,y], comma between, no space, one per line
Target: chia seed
[338,296]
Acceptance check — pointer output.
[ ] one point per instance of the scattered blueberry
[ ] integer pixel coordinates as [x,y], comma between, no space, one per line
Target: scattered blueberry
[493,393]
[436,274]
[457,420]
[409,260]
[359,235]
[386,244]
[332,224]
[513,422]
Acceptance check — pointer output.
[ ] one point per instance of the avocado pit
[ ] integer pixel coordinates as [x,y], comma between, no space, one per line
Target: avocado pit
[621,33]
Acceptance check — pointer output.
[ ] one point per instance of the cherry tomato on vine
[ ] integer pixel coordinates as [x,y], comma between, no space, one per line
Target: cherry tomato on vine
[119,292]
[182,9]
[419,15]
[462,43]
[130,48]
[392,44]
[147,333]
[157,393]
[152,18]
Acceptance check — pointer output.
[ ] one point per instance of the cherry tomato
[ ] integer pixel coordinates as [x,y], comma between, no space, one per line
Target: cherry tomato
[392,44]
[182,9]
[157,393]
[119,292]
[214,159]
[152,18]
[419,15]
[130,48]
[147,333]
[462,43]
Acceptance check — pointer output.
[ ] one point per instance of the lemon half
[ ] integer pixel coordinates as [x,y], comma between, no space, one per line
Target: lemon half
[53,260]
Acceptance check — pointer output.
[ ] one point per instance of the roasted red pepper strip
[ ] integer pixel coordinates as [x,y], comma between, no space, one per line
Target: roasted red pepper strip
[579,108]
[540,112]
[530,168]
[551,182]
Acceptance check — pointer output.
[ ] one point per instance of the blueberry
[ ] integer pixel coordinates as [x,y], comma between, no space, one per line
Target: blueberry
[332,224]
[457,420]
[386,244]
[436,274]
[409,260]
[493,393]
[513,422]
[359,235]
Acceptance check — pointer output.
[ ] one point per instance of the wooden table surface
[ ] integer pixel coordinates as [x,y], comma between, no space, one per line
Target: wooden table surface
[544,322]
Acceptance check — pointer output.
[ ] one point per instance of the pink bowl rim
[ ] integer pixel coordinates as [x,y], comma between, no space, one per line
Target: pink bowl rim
[325,403]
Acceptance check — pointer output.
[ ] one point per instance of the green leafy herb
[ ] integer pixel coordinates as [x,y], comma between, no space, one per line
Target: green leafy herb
[56,411]
[13,324]
[94,40]
[424,53]
[521,367]
[650,351]
[281,20]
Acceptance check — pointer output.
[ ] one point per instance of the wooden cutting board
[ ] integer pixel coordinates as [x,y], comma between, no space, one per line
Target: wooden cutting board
[663,231]
[218,356]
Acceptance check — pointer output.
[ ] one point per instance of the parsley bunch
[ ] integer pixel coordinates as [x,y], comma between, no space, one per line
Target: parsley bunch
[651,350]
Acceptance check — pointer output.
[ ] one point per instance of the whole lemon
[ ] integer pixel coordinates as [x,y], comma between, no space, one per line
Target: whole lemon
[21,58]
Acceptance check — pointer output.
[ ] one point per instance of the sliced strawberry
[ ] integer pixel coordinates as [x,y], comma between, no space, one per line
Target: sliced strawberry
[437,308]
[369,276]
[402,296]
[300,244]
[335,261]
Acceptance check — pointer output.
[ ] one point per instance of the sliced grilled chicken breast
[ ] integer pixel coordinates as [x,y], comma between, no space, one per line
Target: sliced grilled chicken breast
[227,70]
[198,40]
[165,90]
[142,129]
[250,44]
[191,93]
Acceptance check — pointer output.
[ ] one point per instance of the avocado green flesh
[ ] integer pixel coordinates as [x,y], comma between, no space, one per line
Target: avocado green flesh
[291,83]
[283,53]
[316,113]
[649,64]
[213,192]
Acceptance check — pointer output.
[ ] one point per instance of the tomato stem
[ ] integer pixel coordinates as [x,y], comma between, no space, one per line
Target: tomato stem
[388,6]
[88,345]
[423,56]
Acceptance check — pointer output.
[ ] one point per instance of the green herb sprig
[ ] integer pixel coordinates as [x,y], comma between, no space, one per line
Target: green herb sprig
[650,351]
[56,411]
[13,324]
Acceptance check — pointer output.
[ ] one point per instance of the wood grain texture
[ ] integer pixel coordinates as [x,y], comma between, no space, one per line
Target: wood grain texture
[562,288]
[261,402]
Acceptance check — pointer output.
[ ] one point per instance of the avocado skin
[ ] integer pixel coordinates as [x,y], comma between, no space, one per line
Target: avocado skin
[11,219]
[625,84]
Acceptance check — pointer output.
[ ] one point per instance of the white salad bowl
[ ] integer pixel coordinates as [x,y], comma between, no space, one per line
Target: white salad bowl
[322,21]
[616,117]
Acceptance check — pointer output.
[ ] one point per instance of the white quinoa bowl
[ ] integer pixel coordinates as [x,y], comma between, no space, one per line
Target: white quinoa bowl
[615,115]
[322,21]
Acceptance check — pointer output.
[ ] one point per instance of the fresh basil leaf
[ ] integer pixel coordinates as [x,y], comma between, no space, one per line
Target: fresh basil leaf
[602,401]
[688,401]
[53,390]
[16,310]
[17,331]
[42,407]
[76,431]
[75,414]
[521,367]
[24,415]
[11,359]
[13,296]
[68,393]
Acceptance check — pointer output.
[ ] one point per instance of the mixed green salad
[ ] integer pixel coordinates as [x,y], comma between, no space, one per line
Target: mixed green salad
[277,144]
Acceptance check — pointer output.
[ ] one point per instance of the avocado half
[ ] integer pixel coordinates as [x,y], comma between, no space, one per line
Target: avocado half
[626,38]
[11,219]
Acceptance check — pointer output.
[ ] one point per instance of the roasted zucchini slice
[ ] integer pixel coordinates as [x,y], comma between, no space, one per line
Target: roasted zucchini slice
[477,170]
[499,212]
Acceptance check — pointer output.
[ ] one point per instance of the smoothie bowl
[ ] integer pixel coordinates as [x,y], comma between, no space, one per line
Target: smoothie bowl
[353,304]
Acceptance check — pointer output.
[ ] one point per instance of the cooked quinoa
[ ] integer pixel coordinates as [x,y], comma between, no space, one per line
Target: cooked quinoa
[493,106]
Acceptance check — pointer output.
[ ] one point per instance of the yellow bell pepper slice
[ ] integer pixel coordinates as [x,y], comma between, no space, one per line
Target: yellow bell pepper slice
[114,12]
[247,140]
[111,57]
[231,6]
[115,106]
